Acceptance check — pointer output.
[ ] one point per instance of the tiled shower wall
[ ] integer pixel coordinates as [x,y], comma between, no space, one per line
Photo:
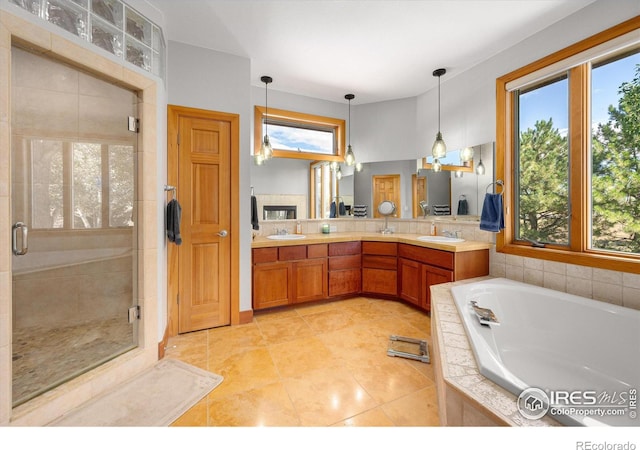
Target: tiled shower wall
[605,285]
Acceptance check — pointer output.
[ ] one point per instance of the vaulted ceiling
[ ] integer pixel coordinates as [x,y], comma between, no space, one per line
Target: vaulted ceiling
[378,50]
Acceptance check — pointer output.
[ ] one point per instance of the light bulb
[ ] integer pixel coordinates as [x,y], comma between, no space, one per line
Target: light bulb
[480,168]
[436,166]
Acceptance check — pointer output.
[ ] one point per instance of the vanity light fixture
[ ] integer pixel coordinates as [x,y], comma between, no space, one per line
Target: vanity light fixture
[349,157]
[266,150]
[436,166]
[480,166]
[439,149]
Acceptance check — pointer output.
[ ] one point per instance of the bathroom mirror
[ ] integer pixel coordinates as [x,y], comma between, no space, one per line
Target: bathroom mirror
[287,182]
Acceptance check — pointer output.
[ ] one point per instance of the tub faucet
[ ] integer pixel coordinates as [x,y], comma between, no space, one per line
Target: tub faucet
[484,315]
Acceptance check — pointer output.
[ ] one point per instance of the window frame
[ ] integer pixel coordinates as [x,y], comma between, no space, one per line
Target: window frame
[577,251]
[68,184]
[302,120]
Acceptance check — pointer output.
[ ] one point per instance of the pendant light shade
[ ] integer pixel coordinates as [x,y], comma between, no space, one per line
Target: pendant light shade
[480,167]
[466,154]
[349,157]
[439,149]
[436,166]
[338,173]
[266,150]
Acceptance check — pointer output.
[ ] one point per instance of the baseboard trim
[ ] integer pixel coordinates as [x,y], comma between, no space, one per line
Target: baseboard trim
[246,316]
[162,345]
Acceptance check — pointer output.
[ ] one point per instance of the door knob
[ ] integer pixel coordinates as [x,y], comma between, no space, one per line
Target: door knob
[222,233]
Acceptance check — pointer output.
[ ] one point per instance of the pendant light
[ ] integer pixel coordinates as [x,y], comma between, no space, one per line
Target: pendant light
[338,173]
[349,157]
[436,166]
[480,166]
[466,154]
[439,149]
[266,150]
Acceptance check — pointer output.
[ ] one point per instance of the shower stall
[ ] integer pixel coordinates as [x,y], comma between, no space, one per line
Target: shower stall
[74,219]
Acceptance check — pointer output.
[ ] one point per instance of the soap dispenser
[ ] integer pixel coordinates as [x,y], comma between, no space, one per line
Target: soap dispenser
[298,227]
[434,230]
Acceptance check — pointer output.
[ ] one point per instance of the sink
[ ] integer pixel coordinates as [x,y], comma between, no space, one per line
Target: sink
[441,239]
[286,237]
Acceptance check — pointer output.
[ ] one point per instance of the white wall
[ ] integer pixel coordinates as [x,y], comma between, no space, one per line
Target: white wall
[206,79]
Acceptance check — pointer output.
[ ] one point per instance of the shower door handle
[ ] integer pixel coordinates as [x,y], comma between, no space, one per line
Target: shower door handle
[24,243]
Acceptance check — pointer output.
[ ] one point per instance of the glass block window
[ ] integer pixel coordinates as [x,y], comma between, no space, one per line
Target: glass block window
[109,24]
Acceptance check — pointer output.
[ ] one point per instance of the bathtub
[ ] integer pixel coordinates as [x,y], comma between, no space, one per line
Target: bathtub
[584,354]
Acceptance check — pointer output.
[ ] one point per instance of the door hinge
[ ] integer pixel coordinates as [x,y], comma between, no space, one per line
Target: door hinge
[134,313]
[133,124]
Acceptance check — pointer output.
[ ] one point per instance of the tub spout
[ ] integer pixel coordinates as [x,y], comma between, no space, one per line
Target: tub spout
[484,315]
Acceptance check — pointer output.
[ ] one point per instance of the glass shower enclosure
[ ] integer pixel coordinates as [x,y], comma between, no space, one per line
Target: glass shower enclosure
[73,169]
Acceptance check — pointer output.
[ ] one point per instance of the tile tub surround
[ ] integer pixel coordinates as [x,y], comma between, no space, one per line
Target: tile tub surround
[465,397]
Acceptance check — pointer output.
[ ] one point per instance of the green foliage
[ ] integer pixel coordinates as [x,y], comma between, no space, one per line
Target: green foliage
[616,178]
[543,165]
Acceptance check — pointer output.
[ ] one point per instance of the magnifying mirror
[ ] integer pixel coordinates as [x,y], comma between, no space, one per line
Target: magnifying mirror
[386,209]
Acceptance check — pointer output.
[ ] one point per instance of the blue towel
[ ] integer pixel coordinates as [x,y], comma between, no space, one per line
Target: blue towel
[492,218]
[332,210]
[341,209]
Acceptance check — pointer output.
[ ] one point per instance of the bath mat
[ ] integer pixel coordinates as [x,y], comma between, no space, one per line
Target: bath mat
[155,398]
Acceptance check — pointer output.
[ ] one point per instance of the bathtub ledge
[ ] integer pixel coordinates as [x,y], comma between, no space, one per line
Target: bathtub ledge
[465,397]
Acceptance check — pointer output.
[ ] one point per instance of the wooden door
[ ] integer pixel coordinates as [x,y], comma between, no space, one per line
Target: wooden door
[204,147]
[386,187]
[419,191]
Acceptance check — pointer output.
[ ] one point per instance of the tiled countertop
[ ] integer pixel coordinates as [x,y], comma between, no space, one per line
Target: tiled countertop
[318,238]
[459,368]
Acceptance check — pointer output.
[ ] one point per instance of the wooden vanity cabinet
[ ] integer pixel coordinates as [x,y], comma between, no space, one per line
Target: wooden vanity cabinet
[289,274]
[345,275]
[419,268]
[380,268]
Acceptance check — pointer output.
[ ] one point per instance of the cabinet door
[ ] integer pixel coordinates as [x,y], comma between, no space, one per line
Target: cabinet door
[343,282]
[433,275]
[271,285]
[380,281]
[410,281]
[310,280]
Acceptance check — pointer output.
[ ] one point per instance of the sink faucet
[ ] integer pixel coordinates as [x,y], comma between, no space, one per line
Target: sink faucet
[280,231]
[452,234]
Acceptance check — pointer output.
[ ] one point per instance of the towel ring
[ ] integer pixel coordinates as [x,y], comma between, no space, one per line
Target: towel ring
[497,182]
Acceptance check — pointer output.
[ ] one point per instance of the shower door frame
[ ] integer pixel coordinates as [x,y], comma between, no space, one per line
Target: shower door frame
[27,32]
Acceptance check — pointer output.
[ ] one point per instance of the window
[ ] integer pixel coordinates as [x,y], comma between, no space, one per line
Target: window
[299,135]
[80,185]
[568,146]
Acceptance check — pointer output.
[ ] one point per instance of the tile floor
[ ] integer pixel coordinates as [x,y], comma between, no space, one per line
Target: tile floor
[313,365]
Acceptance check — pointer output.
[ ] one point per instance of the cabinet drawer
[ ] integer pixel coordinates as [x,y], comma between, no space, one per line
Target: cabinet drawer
[344,262]
[380,262]
[293,252]
[344,248]
[317,251]
[265,255]
[380,248]
[430,256]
